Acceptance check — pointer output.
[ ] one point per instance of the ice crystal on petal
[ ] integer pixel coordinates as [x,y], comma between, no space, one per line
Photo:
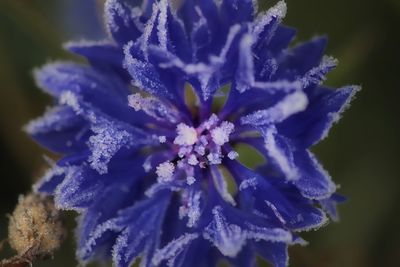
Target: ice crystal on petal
[193,210]
[266,234]
[252,182]
[291,104]
[70,99]
[190,180]
[170,251]
[47,121]
[162,139]
[278,11]
[104,145]
[153,107]
[233,155]
[114,8]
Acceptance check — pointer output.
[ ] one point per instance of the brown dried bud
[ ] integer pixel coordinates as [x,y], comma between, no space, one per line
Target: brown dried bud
[35,229]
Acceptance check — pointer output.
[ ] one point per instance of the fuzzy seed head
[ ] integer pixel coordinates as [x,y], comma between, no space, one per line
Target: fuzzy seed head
[35,225]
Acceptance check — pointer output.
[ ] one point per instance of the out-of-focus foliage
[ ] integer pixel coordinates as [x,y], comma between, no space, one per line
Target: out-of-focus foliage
[362,152]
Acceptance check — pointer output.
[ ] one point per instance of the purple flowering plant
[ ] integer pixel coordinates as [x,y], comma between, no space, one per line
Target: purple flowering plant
[151,163]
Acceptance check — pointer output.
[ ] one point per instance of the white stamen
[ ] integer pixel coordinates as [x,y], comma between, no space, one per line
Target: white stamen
[220,135]
[162,139]
[288,106]
[162,32]
[208,124]
[187,136]
[194,211]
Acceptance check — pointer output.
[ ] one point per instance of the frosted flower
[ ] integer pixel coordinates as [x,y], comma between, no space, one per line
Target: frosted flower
[157,176]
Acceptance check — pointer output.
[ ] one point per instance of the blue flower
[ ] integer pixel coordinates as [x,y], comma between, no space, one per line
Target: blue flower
[149,160]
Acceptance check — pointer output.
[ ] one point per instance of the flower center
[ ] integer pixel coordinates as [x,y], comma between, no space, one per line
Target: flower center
[198,147]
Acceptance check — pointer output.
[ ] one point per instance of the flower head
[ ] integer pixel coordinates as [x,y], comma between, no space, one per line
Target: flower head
[156,175]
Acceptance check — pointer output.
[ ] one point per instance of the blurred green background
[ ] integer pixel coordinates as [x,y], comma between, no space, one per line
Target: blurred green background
[361,153]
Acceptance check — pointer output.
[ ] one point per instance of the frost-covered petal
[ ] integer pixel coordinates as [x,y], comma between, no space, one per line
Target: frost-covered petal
[266,25]
[199,254]
[54,176]
[302,58]
[199,74]
[316,75]
[202,22]
[78,189]
[219,67]
[228,238]
[200,35]
[230,235]
[170,32]
[246,73]
[246,258]
[325,109]
[82,184]
[193,208]
[103,55]
[145,76]
[103,209]
[237,11]
[141,236]
[154,107]
[110,135]
[108,139]
[280,152]
[275,253]
[276,199]
[51,179]
[290,105]
[314,181]
[55,78]
[173,249]
[264,96]
[122,20]
[206,77]
[283,36]
[149,210]
[222,186]
[104,92]
[98,226]
[330,205]
[59,130]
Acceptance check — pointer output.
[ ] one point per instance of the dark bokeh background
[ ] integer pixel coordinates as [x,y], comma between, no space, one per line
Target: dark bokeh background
[361,153]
